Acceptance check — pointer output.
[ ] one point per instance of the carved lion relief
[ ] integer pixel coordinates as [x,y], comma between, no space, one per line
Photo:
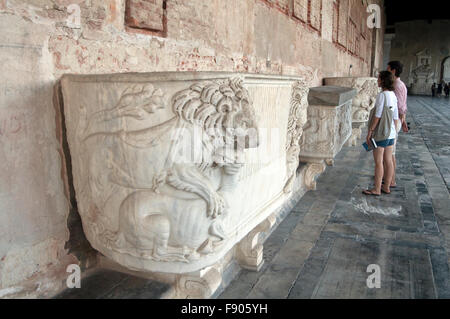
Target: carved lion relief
[150,196]
[364,101]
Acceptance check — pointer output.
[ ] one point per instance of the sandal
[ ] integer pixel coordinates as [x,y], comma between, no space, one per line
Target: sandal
[384,192]
[369,192]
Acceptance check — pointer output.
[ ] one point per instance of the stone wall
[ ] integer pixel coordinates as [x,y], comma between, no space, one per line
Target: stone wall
[422,47]
[40,230]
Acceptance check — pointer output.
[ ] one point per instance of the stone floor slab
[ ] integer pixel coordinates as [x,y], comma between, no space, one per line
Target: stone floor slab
[108,284]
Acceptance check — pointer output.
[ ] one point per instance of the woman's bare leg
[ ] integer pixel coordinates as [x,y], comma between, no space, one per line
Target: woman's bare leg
[398,126]
[393,180]
[394,177]
[378,154]
[388,162]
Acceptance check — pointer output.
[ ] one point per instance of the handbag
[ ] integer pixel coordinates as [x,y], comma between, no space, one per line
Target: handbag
[383,129]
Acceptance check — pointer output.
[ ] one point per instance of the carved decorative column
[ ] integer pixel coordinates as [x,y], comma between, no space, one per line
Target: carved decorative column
[297,120]
[363,102]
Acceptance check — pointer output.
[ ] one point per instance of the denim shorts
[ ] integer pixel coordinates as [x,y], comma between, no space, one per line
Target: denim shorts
[385,143]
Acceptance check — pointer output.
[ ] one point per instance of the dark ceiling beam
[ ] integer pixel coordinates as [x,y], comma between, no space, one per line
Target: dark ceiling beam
[401,10]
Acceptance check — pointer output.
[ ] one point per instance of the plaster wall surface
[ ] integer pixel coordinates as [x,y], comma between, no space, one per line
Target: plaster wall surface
[43,39]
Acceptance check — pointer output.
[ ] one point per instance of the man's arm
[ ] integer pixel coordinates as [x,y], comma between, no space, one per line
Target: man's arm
[402,94]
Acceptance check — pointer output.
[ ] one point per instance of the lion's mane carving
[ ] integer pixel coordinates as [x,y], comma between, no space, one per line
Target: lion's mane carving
[214,104]
[364,101]
[222,110]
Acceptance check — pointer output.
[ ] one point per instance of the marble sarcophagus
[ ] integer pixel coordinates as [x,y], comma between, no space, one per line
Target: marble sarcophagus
[174,170]
[363,102]
[328,128]
[329,122]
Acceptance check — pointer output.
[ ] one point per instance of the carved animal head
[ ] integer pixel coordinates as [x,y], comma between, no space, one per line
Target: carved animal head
[222,106]
[364,101]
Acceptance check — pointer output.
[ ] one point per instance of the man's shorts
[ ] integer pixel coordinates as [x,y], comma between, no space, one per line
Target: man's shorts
[398,127]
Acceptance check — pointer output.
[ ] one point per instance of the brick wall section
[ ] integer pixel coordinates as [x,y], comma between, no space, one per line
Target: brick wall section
[315,14]
[350,30]
[282,4]
[352,37]
[335,26]
[145,14]
[343,22]
[301,8]
[308,12]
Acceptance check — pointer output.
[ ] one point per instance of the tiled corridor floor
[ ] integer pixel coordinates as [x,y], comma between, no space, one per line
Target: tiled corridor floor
[324,247]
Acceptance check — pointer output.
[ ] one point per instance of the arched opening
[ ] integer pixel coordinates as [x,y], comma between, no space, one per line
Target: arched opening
[445,70]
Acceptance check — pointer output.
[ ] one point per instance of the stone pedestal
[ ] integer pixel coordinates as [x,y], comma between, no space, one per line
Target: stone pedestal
[362,104]
[250,249]
[175,171]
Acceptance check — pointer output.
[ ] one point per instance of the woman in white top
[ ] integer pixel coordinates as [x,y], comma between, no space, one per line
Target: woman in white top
[383,152]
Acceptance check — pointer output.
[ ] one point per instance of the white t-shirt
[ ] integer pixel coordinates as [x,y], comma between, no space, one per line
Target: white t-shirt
[391,101]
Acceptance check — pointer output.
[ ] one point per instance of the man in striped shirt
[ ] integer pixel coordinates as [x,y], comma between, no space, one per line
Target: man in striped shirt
[401,92]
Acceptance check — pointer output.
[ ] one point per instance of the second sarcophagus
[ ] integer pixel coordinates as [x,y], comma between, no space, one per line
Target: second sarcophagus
[363,102]
[329,123]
